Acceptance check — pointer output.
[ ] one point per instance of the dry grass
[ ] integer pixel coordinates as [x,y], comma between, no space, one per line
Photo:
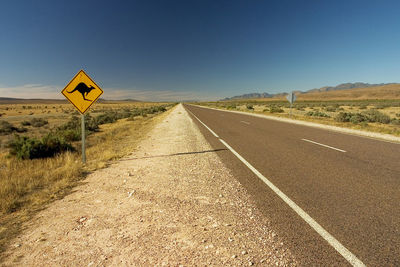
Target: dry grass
[27,186]
[345,106]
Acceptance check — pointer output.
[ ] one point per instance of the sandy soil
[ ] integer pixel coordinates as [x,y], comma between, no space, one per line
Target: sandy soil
[171,202]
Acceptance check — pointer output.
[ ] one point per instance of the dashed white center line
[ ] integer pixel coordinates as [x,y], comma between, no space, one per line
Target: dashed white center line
[245,122]
[331,147]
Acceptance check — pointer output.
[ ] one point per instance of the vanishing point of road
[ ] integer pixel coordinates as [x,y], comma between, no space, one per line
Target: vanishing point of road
[334,198]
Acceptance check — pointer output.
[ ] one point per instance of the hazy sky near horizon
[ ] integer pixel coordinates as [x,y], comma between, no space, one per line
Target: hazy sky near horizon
[206,50]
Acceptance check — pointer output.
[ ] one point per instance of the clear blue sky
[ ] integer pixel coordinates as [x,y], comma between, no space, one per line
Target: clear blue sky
[173,50]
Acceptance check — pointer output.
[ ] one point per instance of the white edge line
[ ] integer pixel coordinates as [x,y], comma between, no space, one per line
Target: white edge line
[204,124]
[331,147]
[387,138]
[350,257]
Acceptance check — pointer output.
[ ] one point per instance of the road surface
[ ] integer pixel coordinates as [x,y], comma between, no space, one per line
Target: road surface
[348,185]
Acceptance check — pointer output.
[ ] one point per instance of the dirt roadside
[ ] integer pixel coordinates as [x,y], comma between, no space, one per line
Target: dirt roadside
[172,202]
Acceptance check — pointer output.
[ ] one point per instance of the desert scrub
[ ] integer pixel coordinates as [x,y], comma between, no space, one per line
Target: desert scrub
[317,114]
[38,122]
[8,128]
[331,109]
[372,115]
[275,109]
[23,147]
[249,107]
[377,116]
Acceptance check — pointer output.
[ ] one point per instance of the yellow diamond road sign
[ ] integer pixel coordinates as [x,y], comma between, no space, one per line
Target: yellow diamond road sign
[82,91]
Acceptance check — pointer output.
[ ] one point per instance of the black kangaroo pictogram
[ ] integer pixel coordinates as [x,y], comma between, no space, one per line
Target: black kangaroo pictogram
[83,89]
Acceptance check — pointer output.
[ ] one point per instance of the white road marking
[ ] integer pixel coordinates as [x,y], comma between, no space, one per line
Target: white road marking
[245,122]
[357,133]
[350,257]
[204,124]
[331,147]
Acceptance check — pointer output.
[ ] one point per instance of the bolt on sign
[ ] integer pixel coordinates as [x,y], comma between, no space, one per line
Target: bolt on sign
[82,91]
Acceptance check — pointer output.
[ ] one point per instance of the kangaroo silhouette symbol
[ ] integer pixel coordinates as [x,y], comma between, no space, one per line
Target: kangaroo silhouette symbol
[83,89]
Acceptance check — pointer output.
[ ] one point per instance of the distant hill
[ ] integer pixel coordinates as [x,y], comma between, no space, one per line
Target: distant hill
[382,90]
[10,100]
[345,86]
[388,91]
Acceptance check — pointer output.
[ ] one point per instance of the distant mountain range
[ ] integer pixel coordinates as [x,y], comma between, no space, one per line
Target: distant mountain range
[342,86]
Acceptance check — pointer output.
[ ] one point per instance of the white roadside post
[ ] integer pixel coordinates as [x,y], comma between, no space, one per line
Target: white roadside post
[291,97]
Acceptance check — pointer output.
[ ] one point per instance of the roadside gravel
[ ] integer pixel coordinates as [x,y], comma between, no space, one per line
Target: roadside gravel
[171,202]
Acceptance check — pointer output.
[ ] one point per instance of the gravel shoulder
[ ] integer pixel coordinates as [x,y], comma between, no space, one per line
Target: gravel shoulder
[170,202]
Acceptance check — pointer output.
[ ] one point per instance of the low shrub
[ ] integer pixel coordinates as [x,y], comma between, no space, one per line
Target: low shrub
[91,124]
[395,122]
[8,128]
[249,106]
[25,123]
[317,114]
[31,148]
[275,109]
[69,135]
[376,116]
[366,116]
[330,109]
[38,122]
[363,106]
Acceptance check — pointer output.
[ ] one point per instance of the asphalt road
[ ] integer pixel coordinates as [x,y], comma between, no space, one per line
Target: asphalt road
[349,185]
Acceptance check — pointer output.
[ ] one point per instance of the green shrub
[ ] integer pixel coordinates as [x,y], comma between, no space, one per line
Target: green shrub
[395,122]
[366,116]
[363,106]
[108,117]
[249,106]
[358,118]
[376,116]
[74,123]
[317,114]
[38,122]
[25,123]
[330,109]
[31,148]
[343,116]
[275,109]
[8,128]
[70,135]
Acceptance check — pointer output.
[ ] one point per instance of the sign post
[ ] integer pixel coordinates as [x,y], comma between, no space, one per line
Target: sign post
[77,91]
[83,139]
[291,97]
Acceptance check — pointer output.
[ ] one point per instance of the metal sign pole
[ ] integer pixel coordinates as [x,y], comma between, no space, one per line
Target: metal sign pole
[83,139]
[290,114]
